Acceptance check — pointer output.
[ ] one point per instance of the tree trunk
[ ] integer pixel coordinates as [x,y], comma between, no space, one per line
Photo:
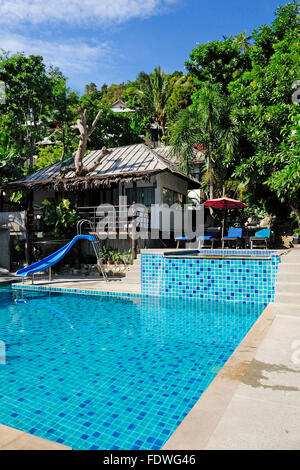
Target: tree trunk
[211,180]
[84,133]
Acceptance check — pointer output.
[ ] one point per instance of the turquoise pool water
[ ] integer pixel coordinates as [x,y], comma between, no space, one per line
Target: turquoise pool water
[98,372]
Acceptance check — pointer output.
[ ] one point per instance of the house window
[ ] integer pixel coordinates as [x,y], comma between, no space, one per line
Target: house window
[196,174]
[143,195]
[172,197]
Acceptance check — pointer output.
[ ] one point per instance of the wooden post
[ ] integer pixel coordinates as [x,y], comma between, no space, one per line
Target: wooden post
[133,240]
[27,256]
[28,214]
[1,200]
[76,200]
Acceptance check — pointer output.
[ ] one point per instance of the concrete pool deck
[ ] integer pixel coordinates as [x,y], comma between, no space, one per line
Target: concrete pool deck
[116,285]
[13,439]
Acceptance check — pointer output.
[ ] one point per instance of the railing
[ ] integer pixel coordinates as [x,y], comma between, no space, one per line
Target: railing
[116,219]
[15,221]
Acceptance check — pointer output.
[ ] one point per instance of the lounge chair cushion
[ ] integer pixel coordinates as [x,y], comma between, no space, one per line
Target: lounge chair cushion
[184,238]
[263,233]
[208,236]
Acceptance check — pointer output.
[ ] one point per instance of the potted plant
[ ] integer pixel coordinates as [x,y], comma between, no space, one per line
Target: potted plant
[110,255]
[116,257]
[296,237]
[105,254]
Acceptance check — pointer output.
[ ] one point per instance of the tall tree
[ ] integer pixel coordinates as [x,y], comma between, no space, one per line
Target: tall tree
[243,41]
[262,99]
[183,87]
[216,62]
[207,122]
[153,91]
[28,98]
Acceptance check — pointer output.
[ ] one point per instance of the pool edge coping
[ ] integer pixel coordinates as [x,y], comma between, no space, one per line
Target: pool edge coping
[73,290]
[198,426]
[16,439]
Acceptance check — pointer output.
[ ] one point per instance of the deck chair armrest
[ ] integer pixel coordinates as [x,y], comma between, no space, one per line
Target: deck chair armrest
[259,238]
[231,238]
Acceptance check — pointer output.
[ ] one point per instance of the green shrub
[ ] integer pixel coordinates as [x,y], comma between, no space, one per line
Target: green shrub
[62,217]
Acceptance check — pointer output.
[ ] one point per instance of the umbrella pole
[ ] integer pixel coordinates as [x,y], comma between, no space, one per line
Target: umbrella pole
[223,223]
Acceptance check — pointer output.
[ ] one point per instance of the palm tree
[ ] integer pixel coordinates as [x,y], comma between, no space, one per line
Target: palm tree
[154,90]
[206,122]
[243,41]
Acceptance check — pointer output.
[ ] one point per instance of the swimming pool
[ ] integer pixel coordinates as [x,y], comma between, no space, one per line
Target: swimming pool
[99,372]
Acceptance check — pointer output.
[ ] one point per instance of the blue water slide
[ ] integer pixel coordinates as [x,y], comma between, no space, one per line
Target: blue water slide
[52,259]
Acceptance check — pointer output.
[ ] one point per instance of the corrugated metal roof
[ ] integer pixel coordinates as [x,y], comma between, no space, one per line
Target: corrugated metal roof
[119,160]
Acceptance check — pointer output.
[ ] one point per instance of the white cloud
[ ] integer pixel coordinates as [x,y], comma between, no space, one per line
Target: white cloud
[14,12]
[74,56]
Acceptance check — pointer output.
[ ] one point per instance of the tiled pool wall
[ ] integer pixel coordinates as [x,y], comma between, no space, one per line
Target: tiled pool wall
[234,280]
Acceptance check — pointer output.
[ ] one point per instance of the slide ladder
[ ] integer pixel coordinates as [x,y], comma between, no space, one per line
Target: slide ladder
[97,246]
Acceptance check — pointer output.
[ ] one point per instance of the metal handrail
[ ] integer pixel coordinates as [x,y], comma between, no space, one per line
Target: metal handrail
[96,245]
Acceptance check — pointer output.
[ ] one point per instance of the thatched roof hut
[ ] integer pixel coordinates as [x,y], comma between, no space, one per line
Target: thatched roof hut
[118,165]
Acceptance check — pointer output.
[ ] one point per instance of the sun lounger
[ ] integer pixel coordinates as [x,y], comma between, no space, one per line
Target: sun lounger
[234,235]
[210,236]
[261,237]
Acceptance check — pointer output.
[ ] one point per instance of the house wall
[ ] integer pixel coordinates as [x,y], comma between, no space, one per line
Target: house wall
[169,181]
[159,219]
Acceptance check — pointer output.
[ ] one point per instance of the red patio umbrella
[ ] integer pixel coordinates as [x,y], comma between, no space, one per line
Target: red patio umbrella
[225,203]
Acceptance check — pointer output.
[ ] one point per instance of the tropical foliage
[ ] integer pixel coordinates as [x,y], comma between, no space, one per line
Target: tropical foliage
[207,121]
[61,217]
[234,103]
[257,150]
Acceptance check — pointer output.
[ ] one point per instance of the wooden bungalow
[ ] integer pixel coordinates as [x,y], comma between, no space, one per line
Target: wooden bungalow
[146,176]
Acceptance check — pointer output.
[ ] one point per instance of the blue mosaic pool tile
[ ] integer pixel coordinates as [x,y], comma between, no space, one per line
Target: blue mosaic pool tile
[108,372]
[235,280]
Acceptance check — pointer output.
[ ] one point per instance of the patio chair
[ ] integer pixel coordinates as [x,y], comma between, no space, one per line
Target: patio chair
[234,235]
[211,235]
[261,237]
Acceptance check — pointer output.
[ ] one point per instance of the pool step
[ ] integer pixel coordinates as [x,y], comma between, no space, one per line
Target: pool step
[286,309]
[286,276]
[293,258]
[287,294]
[288,286]
[287,298]
[290,267]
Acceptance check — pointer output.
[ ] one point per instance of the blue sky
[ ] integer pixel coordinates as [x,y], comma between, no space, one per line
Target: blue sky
[110,41]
